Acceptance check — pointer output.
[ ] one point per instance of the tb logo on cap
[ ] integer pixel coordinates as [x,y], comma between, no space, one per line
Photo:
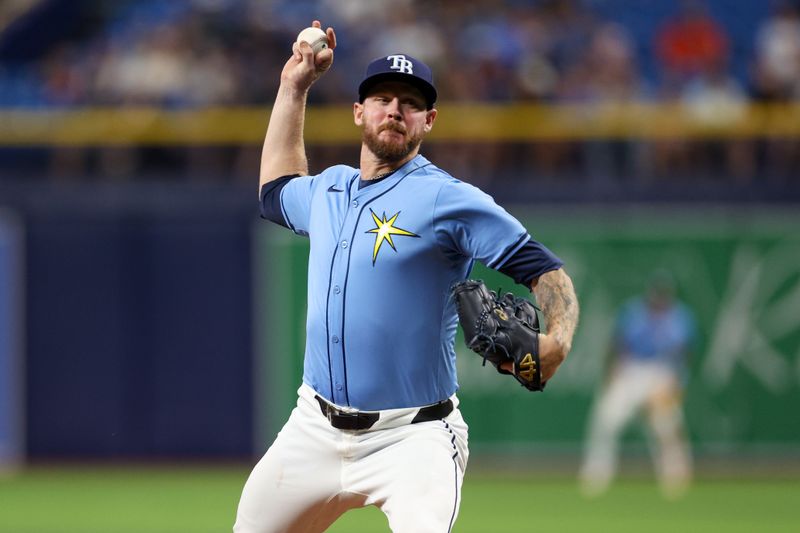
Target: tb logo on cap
[401,64]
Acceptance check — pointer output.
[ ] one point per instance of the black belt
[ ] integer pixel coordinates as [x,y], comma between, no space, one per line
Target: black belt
[354,420]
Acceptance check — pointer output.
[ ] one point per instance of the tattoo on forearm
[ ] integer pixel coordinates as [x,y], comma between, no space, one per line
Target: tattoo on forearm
[556,296]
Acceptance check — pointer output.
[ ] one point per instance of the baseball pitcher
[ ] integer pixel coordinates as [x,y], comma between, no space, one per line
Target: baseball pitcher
[393,242]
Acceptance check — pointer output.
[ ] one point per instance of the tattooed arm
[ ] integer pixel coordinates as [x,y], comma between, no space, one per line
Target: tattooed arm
[556,297]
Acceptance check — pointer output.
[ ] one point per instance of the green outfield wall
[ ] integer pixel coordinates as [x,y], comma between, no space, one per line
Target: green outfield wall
[739,270]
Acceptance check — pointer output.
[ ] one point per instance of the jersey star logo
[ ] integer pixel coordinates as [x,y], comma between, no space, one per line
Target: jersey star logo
[383,230]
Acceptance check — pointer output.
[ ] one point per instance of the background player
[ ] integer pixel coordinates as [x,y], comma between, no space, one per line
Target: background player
[377,419]
[654,335]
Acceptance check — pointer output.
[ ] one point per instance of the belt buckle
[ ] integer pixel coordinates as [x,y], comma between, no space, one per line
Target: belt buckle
[347,415]
[338,413]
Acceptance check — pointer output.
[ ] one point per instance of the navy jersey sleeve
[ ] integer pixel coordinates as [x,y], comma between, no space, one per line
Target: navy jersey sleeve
[271,200]
[530,262]
[296,198]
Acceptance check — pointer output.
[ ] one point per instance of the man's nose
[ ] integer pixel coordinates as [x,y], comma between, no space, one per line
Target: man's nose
[393,108]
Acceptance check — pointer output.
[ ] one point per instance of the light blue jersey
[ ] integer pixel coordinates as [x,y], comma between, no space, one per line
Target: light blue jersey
[658,336]
[381,320]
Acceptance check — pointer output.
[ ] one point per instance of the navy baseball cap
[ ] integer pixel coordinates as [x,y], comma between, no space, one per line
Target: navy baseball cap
[403,68]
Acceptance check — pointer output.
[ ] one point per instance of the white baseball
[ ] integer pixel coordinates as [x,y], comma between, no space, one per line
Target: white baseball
[315,37]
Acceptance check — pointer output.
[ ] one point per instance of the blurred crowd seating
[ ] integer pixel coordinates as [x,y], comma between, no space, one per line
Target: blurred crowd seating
[714,56]
[211,52]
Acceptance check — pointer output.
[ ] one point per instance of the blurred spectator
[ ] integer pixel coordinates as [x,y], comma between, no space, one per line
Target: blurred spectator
[487,54]
[715,99]
[694,50]
[654,335]
[66,76]
[777,55]
[690,43]
[608,77]
[776,79]
[717,102]
[612,62]
[410,34]
[154,70]
[366,15]
[537,77]
[571,28]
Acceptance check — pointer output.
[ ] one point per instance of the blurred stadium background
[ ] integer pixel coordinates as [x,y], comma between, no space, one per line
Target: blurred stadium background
[151,327]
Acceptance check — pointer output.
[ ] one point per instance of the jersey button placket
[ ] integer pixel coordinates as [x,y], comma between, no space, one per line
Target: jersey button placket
[337,300]
[336,322]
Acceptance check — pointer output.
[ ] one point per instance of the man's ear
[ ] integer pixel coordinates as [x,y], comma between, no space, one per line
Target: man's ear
[358,113]
[430,117]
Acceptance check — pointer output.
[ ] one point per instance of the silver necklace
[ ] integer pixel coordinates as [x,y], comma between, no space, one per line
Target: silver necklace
[379,176]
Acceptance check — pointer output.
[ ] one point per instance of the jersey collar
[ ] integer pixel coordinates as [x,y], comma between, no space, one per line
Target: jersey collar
[417,162]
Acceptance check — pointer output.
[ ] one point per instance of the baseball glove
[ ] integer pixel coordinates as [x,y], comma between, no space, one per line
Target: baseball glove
[501,329]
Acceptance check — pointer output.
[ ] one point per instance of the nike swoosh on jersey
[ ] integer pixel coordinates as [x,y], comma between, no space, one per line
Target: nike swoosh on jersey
[333,188]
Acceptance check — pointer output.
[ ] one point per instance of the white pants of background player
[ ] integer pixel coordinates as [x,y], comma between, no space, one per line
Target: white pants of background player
[635,387]
[313,473]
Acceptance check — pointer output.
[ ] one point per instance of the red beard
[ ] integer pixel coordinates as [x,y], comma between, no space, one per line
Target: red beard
[389,151]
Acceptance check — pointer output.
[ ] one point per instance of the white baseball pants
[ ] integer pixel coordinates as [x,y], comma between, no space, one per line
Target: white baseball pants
[634,387]
[313,473]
